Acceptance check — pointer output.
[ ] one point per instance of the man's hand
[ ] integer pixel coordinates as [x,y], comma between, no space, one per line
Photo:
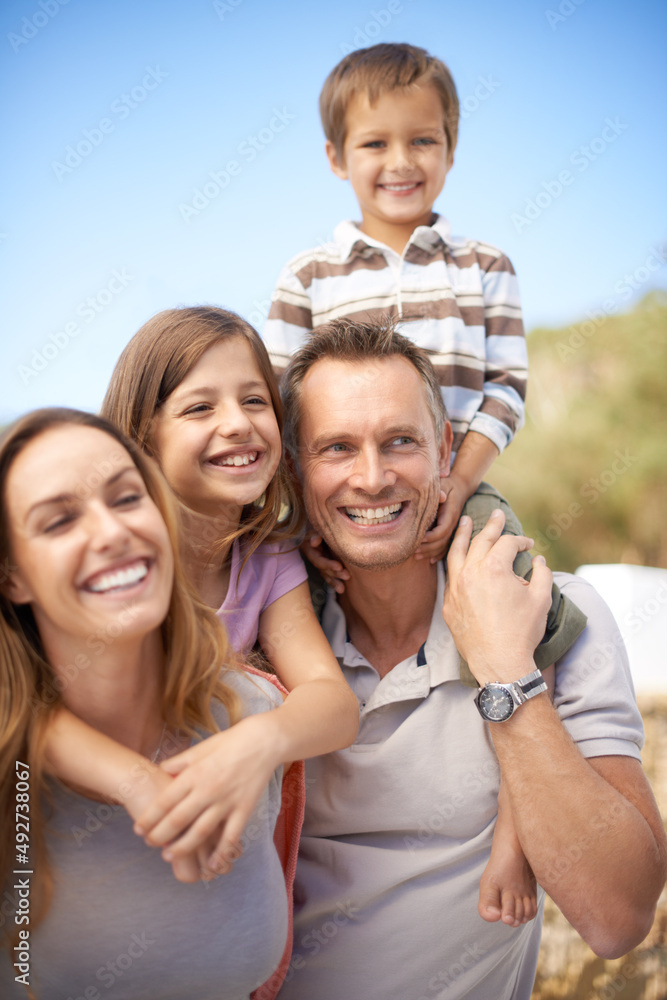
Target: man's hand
[332,570]
[496,618]
[435,542]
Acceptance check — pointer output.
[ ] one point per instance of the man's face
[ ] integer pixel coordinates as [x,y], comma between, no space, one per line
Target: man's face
[369,457]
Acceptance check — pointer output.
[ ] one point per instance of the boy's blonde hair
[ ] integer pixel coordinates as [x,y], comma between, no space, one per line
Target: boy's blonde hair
[378,70]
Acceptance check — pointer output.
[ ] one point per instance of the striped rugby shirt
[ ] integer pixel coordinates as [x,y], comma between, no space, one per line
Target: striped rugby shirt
[456,298]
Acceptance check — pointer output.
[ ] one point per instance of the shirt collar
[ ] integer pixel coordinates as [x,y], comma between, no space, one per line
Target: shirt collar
[349,237]
[438,655]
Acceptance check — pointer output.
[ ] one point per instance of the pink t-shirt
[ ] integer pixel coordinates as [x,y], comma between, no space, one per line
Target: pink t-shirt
[272,571]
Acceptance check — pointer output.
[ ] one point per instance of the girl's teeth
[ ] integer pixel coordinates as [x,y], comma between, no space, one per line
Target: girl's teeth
[121,578]
[240,459]
[373,515]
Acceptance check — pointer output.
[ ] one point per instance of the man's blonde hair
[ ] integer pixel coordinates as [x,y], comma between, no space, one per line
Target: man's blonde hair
[379,70]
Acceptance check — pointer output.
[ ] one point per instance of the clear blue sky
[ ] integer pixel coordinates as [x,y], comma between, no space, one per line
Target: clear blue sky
[169,92]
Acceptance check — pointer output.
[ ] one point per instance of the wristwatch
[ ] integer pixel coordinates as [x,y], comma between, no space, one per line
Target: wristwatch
[499,702]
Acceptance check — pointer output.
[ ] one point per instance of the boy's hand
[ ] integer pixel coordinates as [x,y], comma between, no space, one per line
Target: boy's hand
[452,500]
[217,785]
[333,571]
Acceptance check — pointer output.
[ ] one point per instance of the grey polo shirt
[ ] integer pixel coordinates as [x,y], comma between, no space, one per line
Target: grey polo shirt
[398,826]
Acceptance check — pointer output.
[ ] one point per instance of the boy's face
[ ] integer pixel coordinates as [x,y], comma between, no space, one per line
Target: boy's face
[396,158]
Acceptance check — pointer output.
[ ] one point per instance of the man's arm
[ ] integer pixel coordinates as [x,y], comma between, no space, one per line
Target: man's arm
[589,828]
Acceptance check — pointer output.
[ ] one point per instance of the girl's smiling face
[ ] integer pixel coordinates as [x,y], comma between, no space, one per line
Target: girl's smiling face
[216,436]
[89,548]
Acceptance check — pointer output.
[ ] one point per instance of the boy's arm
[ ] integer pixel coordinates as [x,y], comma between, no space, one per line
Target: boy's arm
[289,322]
[475,456]
[502,411]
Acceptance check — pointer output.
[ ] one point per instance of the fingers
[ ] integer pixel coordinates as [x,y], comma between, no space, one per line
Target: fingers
[434,543]
[458,550]
[229,847]
[186,869]
[196,834]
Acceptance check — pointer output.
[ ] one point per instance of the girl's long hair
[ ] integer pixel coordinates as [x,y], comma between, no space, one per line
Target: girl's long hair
[195,645]
[155,362]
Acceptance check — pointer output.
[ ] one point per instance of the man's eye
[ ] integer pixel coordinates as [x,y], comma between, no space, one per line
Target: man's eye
[402,439]
[338,447]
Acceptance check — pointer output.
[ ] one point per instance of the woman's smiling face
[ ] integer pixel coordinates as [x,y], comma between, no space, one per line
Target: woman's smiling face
[216,436]
[90,551]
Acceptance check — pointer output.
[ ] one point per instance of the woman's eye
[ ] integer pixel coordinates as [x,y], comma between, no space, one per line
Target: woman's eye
[58,522]
[127,499]
[199,408]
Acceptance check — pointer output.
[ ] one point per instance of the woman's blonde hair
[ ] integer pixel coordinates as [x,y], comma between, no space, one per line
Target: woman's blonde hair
[153,365]
[194,640]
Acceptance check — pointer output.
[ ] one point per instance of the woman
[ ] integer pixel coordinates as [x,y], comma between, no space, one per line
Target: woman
[97,616]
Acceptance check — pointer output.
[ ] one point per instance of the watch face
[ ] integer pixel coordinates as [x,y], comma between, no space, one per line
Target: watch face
[495,704]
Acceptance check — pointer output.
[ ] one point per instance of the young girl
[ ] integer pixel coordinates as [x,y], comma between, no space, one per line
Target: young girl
[88,536]
[195,389]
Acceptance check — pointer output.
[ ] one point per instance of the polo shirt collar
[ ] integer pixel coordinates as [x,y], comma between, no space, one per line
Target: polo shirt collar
[438,656]
[349,237]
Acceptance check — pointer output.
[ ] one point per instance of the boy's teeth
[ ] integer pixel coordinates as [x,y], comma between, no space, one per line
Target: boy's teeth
[120,578]
[240,459]
[373,515]
[400,187]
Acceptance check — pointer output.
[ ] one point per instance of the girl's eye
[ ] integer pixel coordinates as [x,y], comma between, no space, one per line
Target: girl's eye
[256,401]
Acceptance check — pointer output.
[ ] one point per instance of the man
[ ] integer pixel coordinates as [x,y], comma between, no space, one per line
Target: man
[398,827]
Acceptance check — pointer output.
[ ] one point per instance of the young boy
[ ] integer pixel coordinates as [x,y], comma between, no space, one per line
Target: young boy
[390,115]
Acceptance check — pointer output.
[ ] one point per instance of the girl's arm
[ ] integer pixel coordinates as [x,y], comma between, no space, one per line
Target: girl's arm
[222,778]
[119,774]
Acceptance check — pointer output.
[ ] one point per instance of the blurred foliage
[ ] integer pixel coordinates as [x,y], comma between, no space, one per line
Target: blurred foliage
[587,475]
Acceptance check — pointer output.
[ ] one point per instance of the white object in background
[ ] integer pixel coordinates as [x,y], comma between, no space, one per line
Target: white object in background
[637,597]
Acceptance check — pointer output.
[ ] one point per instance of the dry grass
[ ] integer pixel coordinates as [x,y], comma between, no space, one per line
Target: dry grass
[568,969]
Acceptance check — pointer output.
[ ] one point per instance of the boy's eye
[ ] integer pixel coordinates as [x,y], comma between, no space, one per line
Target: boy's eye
[424,141]
[374,144]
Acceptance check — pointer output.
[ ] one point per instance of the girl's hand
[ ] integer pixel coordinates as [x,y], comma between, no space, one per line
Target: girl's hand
[332,570]
[148,783]
[215,788]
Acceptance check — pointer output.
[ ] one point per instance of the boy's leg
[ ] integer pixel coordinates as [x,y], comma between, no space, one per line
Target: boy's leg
[507,889]
[565,622]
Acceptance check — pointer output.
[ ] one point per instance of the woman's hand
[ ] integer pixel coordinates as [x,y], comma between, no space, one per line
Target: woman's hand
[214,788]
